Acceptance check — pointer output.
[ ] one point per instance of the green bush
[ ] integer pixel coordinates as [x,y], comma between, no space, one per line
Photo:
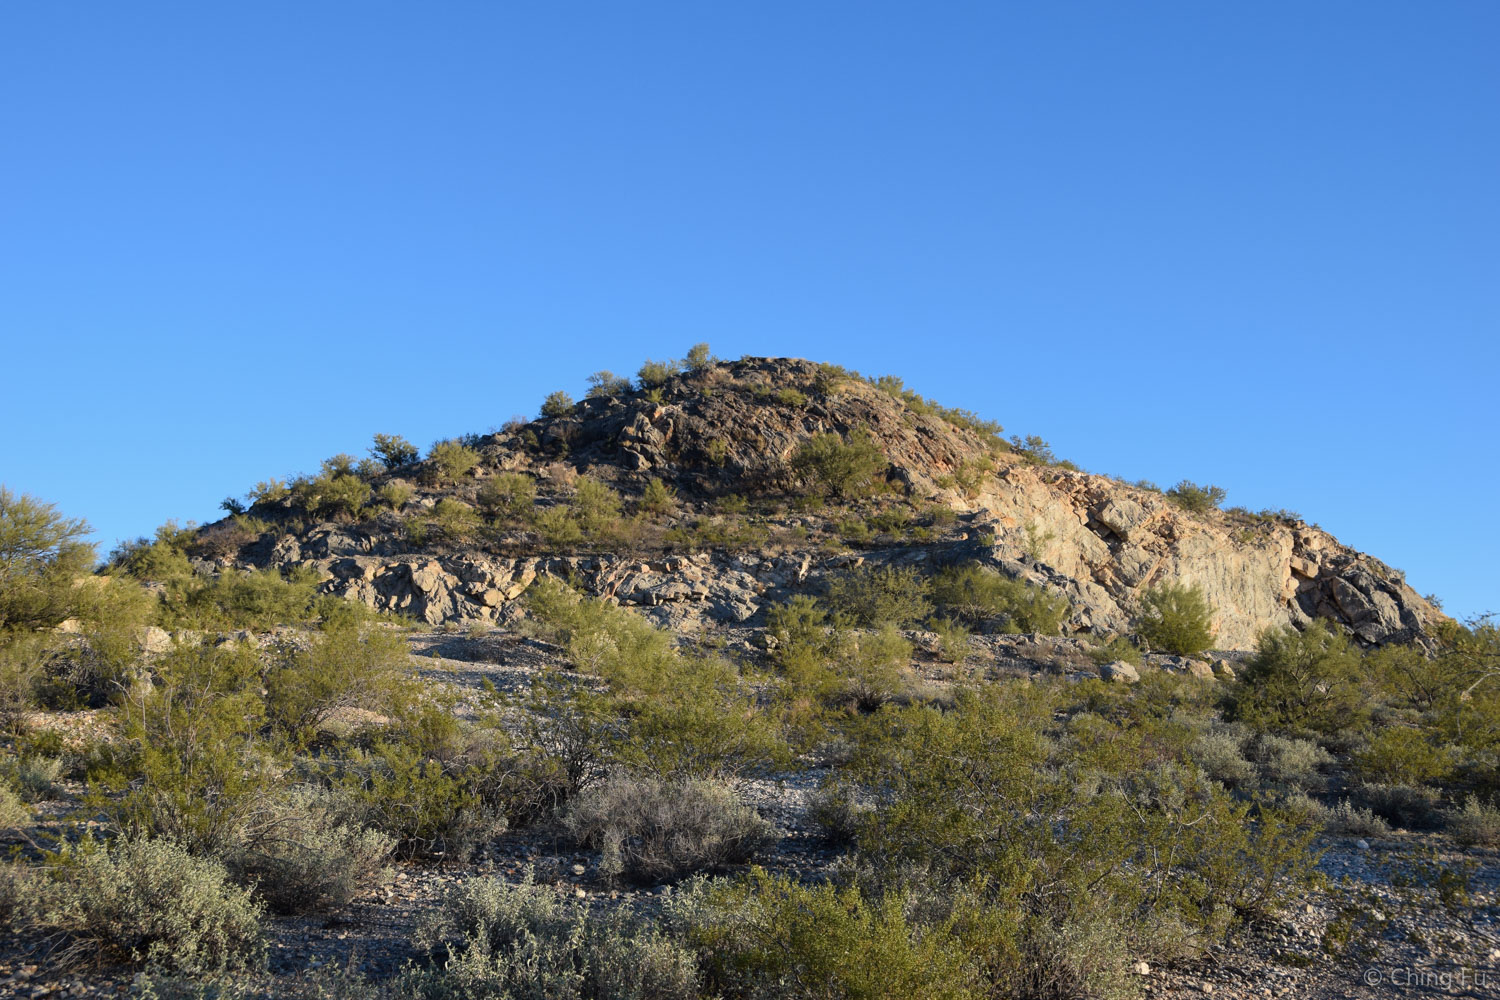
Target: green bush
[508,494]
[698,359]
[14,813]
[1407,806]
[344,667]
[1199,499]
[595,504]
[150,902]
[606,384]
[451,459]
[1399,755]
[395,493]
[432,810]
[834,467]
[769,936]
[981,597]
[197,772]
[454,520]
[1304,681]
[41,554]
[1477,823]
[522,941]
[1176,618]
[953,640]
[654,374]
[871,597]
[658,498]
[394,451]
[649,830]
[557,404]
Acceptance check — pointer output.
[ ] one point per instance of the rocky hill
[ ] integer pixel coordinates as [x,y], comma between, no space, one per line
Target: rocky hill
[744,522]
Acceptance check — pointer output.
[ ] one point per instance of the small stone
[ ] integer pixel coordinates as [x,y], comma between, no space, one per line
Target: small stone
[1141,969]
[1362,844]
[579,869]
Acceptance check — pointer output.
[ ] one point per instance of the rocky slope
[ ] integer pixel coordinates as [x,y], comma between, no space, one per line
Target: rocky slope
[743,535]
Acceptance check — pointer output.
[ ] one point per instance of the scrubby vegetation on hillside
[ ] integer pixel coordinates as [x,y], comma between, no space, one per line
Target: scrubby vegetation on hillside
[257,749]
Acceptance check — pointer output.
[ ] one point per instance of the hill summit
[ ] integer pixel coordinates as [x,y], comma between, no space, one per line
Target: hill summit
[708,491]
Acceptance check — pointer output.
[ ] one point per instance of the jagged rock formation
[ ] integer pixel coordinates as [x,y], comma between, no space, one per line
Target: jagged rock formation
[731,430]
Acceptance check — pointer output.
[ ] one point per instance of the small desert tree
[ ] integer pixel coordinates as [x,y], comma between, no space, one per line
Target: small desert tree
[557,404]
[1176,618]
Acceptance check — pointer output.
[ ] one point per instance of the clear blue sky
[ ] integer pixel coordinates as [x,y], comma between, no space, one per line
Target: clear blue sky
[1250,244]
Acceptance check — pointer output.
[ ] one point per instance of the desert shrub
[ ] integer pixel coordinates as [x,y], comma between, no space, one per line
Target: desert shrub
[1156,855]
[431,810]
[1300,682]
[1176,618]
[105,658]
[1402,755]
[239,599]
[979,597]
[870,598]
[791,397]
[341,464]
[196,769]
[14,813]
[654,374]
[843,469]
[1199,499]
[454,519]
[698,358]
[658,498]
[1114,649]
[1220,752]
[41,554]
[450,459]
[508,494]
[1290,762]
[871,668]
[1405,806]
[649,830]
[513,941]
[308,856]
[606,383]
[953,640]
[765,936]
[595,504]
[558,527]
[557,404]
[344,667]
[394,451]
[330,494]
[1477,822]
[151,902]
[1353,821]
[395,493]
[34,777]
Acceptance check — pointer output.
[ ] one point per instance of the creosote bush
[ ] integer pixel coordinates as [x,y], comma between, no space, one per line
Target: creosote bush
[649,830]
[394,451]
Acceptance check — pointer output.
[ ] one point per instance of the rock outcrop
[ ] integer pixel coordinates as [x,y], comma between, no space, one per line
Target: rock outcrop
[732,431]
